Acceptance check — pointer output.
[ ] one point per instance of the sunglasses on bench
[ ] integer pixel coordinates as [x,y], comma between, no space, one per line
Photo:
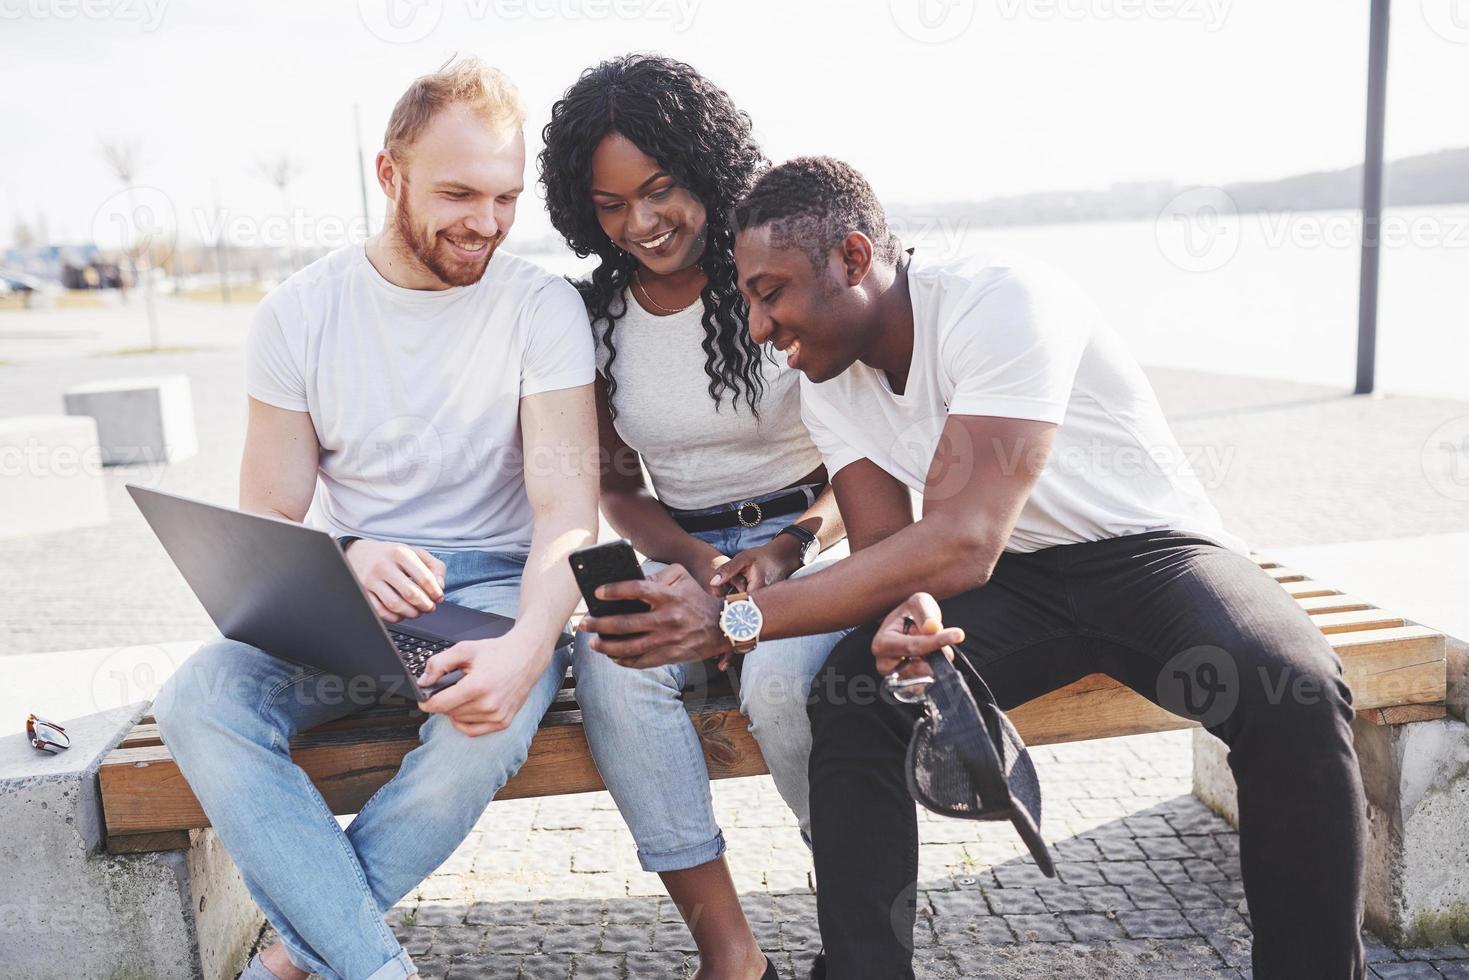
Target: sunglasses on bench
[46,736]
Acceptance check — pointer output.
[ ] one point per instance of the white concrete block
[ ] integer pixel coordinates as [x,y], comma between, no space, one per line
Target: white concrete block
[71,910]
[139,420]
[50,475]
[1415,776]
[168,914]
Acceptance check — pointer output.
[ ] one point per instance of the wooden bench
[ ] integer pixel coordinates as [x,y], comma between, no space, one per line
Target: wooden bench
[1397,673]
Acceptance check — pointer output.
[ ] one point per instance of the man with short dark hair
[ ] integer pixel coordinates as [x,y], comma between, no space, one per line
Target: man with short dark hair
[1062,534]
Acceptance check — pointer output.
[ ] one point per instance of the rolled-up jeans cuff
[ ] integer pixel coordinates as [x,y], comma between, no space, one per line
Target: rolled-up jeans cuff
[400,967]
[681,859]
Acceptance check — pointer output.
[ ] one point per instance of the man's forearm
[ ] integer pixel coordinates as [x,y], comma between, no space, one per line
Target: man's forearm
[824,519]
[927,556]
[548,593]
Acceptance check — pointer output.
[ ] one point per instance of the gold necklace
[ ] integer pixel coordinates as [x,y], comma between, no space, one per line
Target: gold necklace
[637,281]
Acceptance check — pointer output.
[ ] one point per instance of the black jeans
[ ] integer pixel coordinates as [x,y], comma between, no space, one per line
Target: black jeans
[1186,623]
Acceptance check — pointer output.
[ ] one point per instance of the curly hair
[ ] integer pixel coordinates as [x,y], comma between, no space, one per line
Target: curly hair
[812,203]
[695,132]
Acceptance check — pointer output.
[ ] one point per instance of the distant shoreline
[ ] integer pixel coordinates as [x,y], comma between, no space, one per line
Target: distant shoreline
[1426,180]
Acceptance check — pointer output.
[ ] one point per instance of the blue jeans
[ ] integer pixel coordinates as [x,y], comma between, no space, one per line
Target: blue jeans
[228,716]
[648,753]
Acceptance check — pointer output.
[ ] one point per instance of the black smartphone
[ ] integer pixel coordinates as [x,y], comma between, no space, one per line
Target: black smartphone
[600,564]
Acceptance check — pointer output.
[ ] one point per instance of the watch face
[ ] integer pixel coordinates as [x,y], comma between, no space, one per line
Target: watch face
[741,621]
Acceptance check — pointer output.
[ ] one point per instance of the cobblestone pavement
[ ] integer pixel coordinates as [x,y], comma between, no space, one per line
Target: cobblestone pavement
[1148,886]
[1149,879]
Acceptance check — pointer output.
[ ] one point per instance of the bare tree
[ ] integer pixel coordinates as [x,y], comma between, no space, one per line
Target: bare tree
[281,172]
[124,160]
[21,234]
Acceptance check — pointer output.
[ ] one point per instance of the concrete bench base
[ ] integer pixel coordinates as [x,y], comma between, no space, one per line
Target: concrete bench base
[1416,780]
[69,910]
[1415,774]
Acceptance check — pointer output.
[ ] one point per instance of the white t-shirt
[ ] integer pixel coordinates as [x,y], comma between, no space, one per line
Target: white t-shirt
[696,455]
[415,394]
[1021,341]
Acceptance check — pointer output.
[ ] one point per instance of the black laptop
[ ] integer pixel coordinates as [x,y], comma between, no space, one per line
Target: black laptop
[287,589]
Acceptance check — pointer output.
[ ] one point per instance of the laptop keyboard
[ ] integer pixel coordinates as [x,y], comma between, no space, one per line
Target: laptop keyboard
[416,650]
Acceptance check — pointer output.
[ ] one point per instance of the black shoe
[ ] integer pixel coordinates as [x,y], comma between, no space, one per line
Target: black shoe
[769,973]
[818,966]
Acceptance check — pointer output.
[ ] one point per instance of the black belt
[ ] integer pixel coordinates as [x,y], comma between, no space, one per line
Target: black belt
[748,514]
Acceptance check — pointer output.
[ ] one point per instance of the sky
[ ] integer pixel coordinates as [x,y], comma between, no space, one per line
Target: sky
[934,100]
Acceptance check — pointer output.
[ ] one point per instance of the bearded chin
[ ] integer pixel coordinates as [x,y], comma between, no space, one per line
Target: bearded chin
[435,255]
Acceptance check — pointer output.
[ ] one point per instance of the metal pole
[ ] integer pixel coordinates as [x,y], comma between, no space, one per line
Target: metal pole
[361,169]
[1372,199]
[222,264]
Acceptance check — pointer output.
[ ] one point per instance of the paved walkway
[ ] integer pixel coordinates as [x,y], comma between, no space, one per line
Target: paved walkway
[1149,883]
[1286,464]
[1148,886]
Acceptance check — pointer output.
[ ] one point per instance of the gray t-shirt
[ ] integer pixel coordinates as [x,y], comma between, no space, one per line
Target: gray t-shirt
[698,456]
[415,394]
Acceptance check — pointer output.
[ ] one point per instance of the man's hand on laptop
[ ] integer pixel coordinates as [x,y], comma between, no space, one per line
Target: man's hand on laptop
[498,676]
[400,581]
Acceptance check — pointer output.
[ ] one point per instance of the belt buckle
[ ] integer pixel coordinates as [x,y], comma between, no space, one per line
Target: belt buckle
[740,514]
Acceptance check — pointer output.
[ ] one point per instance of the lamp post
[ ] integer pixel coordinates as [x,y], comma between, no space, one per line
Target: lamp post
[1372,199]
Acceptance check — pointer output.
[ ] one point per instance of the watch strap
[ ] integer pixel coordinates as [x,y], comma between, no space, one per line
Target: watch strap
[807,539]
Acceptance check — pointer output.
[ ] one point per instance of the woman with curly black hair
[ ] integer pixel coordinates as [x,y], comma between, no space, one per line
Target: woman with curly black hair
[643,163]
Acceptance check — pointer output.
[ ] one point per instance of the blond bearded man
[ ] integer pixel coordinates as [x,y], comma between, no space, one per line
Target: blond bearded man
[426,398]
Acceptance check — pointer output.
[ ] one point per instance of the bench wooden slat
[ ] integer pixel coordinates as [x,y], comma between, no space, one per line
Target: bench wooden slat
[1396,666]
[1356,619]
[1388,667]
[1094,707]
[1332,603]
[1308,589]
[1396,672]
[1403,714]
[143,790]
